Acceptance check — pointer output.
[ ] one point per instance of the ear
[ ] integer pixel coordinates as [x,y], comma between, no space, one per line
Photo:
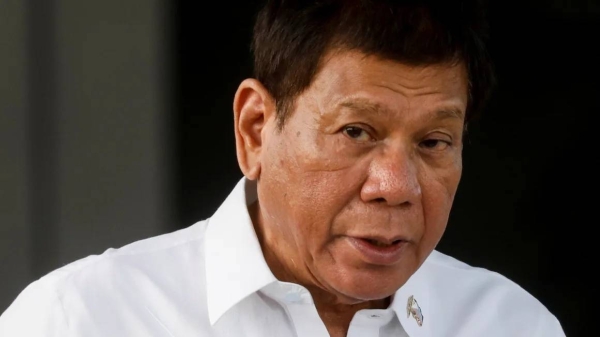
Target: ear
[253,107]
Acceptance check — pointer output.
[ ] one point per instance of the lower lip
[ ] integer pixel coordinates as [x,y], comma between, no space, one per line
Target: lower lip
[373,254]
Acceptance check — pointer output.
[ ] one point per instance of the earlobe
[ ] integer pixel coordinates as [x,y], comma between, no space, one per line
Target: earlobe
[253,107]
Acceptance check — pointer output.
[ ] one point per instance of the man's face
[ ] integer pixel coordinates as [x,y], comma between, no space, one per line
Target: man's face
[358,186]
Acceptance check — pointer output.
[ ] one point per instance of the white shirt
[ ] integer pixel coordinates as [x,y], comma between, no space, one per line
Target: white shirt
[211,279]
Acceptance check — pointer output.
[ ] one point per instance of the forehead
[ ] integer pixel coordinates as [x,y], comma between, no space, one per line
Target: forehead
[352,78]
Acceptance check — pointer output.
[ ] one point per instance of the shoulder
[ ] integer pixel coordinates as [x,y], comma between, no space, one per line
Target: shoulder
[450,275]
[152,256]
[127,278]
[485,301]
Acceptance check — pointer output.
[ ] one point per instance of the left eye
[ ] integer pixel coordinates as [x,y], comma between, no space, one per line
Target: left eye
[356,133]
[435,144]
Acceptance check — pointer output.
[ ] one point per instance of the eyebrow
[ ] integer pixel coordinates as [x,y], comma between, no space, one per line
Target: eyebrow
[364,105]
[451,112]
[376,108]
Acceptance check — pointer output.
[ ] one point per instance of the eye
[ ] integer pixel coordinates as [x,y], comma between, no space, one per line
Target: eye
[357,133]
[435,144]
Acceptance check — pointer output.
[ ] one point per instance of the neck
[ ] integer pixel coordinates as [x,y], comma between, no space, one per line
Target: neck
[335,311]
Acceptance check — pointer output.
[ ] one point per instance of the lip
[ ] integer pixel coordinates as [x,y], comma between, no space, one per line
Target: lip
[376,255]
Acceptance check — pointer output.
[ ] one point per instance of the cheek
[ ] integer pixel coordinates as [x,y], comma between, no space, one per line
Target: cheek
[437,198]
[315,165]
[321,196]
[314,186]
[312,178]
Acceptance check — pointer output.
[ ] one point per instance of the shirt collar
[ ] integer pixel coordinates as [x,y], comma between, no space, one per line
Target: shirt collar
[414,293]
[236,267]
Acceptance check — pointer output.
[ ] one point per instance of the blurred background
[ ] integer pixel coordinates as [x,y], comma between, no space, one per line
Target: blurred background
[116,125]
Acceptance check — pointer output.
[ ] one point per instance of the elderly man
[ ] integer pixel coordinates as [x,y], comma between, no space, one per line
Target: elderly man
[350,141]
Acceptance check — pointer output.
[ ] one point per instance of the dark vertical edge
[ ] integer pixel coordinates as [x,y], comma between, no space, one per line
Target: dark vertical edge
[168,124]
[43,170]
[177,112]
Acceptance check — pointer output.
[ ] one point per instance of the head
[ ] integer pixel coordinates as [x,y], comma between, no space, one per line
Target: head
[353,129]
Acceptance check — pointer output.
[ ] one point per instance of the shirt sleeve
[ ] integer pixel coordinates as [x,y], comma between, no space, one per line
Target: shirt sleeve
[37,312]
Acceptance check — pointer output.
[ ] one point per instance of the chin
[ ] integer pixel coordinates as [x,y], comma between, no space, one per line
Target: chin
[369,283]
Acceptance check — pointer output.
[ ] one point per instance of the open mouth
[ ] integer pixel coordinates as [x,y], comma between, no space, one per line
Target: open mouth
[379,251]
[382,244]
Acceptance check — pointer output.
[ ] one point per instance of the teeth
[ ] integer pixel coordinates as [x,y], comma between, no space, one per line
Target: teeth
[379,243]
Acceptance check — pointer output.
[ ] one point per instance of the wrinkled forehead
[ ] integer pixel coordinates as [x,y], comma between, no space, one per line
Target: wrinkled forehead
[354,80]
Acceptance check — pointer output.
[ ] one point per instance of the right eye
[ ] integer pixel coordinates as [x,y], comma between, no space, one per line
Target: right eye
[357,133]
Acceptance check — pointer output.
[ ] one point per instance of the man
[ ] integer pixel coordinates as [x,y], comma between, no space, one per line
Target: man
[350,141]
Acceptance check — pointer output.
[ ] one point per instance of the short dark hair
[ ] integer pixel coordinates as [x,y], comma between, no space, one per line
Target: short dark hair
[292,36]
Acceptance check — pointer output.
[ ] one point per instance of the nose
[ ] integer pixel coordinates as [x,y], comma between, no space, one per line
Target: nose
[393,179]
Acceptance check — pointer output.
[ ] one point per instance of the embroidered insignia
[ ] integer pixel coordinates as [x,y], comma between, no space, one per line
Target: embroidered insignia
[412,308]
